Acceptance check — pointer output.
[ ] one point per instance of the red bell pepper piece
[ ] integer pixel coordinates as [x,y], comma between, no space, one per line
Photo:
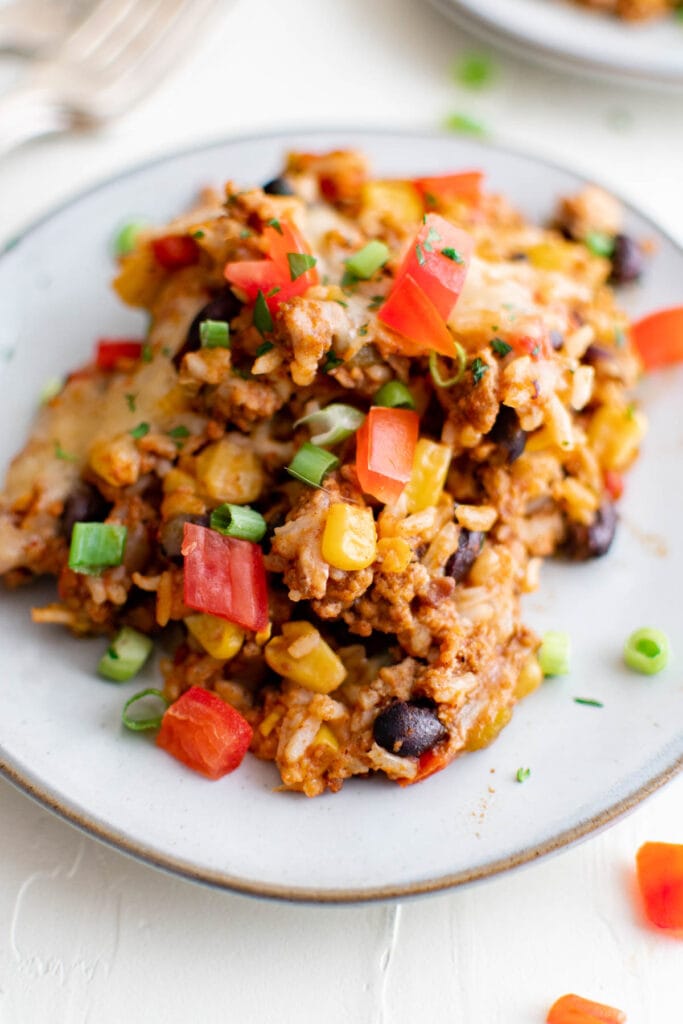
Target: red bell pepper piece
[446,187]
[431,762]
[660,877]
[385,449]
[225,576]
[571,1009]
[440,277]
[411,314]
[205,733]
[173,252]
[110,350]
[527,345]
[659,338]
[273,275]
[614,484]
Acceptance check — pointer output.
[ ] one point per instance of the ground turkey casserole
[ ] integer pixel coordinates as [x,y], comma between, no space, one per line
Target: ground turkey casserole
[364,412]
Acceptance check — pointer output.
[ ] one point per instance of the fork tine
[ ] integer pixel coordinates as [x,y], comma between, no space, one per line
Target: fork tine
[96,26]
[122,35]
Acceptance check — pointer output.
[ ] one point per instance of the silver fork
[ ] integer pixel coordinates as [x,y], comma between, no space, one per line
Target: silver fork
[117,54]
[28,26]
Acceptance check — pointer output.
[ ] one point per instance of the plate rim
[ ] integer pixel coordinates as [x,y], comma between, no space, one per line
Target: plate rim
[177,866]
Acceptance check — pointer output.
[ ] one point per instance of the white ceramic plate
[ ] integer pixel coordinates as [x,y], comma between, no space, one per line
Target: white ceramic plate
[560,34]
[60,733]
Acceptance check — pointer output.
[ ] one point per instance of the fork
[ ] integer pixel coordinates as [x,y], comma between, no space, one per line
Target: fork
[27,26]
[116,55]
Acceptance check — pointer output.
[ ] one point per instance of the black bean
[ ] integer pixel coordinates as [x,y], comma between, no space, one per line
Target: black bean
[408,728]
[597,354]
[85,504]
[223,306]
[556,339]
[278,187]
[585,542]
[470,543]
[171,533]
[507,433]
[517,257]
[627,260]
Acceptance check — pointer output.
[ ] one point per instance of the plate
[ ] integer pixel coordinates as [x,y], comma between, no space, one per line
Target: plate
[563,35]
[60,733]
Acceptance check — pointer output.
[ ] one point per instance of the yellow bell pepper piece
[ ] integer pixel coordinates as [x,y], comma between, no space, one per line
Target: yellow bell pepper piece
[219,638]
[325,738]
[428,476]
[615,434]
[302,655]
[350,537]
[397,199]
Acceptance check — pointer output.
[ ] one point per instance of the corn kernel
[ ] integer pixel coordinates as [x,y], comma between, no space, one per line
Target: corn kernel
[394,553]
[219,638]
[319,670]
[552,256]
[230,470]
[270,721]
[530,677]
[487,728]
[428,475]
[325,738]
[350,537]
[615,434]
[398,199]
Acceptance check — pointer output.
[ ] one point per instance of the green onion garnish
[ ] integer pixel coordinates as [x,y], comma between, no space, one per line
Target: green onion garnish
[523,774]
[139,724]
[126,238]
[50,389]
[263,321]
[647,651]
[599,243]
[448,382]
[96,546]
[333,424]
[553,654]
[125,656]
[331,362]
[146,354]
[140,431]
[265,346]
[238,521]
[589,702]
[179,433]
[299,263]
[500,347]
[474,70]
[465,125]
[214,334]
[364,263]
[312,464]
[394,395]
[452,254]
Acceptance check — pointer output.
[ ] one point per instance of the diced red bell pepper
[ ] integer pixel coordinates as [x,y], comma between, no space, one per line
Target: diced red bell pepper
[660,877]
[225,576]
[410,313]
[385,449]
[659,338]
[111,350]
[614,484]
[440,277]
[571,1009]
[205,733]
[173,252]
[446,187]
[431,762]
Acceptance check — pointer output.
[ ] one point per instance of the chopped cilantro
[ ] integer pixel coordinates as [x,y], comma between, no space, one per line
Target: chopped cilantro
[523,774]
[198,234]
[61,454]
[246,233]
[500,347]
[452,254]
[179,432]
[363,330]
[265,346]
[478,368]
[619,337]
[430,199]
[275,223]
[331,363]
[432,236]
[421,258]
[130,402]
[263,321]
[375,302]
[589,702]
[146,353]
[299,263]
[140,431]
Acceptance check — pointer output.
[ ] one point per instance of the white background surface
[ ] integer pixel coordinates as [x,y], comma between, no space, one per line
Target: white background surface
[89,935]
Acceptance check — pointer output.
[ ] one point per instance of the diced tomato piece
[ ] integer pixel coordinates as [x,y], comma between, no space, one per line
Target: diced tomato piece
[173,252]
[571,1009]
[254,276]
[225,576]
[431,762]
[614,484]
[205,733]
[659,338]
[440,277]
[273,274]
[410,313]
[660,877]
[447,187]
[285,242]
[385,449]
[110,350]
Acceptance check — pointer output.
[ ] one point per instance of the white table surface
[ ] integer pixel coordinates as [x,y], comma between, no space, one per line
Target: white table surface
[89,935]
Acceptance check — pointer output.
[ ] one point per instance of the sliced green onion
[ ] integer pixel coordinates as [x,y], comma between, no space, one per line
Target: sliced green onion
[299,263]
[96,546]
[599,243]
[647,651]
[263,321]
[465,125]
[140,431]
[448,382]
[125,656]
[312,464]
[500,347]
[523,774]
[139,724]
[364,263]
[50,389]
[334,423]
[265,346]
[394,395]
[553,654]
[238,521]
[214,334]
[126,238]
